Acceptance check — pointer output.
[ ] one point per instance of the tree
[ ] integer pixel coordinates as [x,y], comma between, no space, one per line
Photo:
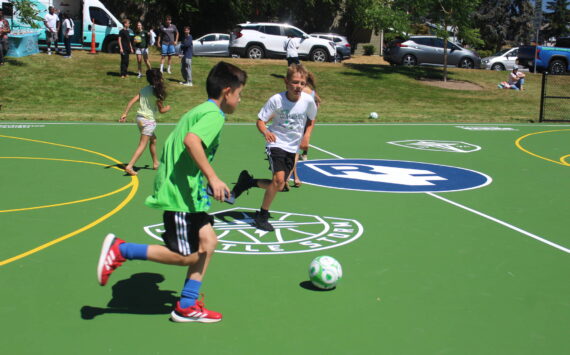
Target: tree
[27,12]
[558,19]
[521,28]
[456,15]
[493,19]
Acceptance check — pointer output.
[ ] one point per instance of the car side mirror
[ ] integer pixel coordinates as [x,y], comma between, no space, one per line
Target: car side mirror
[201,41]
[305,36]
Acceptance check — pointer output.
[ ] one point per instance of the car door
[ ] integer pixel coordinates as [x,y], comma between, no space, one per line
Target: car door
[511,58]
[204,45]
[221,47]
[424,50]
[273,39]
[454,54]
[304,45]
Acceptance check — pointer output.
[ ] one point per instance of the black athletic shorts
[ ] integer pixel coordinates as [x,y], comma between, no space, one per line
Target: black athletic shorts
[280,160]
[181,230]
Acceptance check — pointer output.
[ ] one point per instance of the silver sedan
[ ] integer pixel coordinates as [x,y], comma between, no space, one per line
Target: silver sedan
[212,44]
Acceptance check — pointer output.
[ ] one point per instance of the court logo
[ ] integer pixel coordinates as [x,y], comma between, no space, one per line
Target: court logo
[389,176]
[294,232]
[438,146]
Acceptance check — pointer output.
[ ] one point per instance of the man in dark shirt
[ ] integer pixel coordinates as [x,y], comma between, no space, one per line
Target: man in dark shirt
[186,48]
[125,47]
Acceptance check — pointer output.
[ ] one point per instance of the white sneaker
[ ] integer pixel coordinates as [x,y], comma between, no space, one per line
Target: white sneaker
[49,53]
[168,70]
[186,83]
[161,69]
[139,76]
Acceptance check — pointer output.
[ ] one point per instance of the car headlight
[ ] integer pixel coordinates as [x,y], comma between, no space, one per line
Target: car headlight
[485,61]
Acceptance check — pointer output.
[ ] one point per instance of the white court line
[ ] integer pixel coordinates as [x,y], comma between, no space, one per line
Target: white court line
[320,124]
[505,224]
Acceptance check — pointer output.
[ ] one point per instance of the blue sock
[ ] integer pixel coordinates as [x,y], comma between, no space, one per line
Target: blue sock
[134,251]
[190,293]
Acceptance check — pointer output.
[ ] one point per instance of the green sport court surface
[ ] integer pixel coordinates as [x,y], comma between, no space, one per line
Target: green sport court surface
[478,271]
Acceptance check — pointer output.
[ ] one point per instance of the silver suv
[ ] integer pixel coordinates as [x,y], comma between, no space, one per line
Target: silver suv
[429,50]
[267,40]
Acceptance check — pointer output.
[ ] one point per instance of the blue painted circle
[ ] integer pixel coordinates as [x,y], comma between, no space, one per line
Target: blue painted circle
[389,175]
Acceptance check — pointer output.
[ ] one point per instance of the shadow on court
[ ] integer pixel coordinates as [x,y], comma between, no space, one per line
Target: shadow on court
[135,168]
[140,294]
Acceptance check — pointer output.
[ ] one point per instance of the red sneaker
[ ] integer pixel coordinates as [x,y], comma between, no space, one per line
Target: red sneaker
[195,313]
[110,258]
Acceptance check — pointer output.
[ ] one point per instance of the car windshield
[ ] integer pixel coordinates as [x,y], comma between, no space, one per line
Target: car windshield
[500,53]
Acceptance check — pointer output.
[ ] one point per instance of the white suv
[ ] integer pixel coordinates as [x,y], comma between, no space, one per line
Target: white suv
[261,39]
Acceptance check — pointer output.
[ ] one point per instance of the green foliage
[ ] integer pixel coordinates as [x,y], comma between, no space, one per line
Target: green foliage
[27,12]
[558,19]
[368,49]
[485,52]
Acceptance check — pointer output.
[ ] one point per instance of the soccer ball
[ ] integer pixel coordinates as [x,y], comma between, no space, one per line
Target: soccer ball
[373,115]
[325,272]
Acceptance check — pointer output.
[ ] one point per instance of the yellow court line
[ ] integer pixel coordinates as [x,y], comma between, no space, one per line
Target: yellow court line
[134,187]
[70,202]
[519,145]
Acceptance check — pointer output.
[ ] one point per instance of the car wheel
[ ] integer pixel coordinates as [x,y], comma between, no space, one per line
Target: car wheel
[409,60]
[319,55]
[498,67]
[113,47]
[255,52]
[557,67]
[466,63]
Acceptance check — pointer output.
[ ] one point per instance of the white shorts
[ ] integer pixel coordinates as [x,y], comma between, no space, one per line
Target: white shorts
[141,51]
[146,126]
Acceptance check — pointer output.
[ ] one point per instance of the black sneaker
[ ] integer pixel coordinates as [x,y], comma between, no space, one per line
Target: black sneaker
[245,182]
[262,222]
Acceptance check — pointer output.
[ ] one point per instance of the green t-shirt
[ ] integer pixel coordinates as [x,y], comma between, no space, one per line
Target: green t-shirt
[140,39]
[179,185]
[147,103]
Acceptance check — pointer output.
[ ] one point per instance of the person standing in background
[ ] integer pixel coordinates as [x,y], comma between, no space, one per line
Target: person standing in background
[186,48]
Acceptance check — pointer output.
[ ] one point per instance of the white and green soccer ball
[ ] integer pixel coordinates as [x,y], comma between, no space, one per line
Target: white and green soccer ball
[325,272]
[373,115]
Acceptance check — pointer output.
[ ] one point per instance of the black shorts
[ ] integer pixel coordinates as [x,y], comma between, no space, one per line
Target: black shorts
[181,230]
[280,160]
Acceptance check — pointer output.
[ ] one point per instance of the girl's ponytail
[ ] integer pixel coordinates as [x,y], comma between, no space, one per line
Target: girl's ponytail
[154,78]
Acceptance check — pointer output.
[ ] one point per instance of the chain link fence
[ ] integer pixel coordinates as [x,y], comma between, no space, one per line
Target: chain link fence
[555,98]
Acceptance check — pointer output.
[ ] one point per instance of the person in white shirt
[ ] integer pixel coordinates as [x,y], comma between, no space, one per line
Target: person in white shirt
[289,112]
[516,79]
[67,28]
[51,21]
[291,46]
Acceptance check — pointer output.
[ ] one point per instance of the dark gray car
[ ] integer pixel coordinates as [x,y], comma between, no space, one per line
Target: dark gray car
[429,50]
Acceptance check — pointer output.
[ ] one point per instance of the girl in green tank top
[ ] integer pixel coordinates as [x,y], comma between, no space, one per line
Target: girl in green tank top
[151,102]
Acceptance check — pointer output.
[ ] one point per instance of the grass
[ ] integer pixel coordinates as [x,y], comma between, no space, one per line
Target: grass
[88,88]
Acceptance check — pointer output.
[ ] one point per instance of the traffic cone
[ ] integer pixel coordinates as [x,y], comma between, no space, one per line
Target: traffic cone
[93,50]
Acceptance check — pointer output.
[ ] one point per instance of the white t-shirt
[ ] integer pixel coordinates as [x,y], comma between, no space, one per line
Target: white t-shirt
[288,119]
[52,21]
[152,37]
[291,45]
[68,23]
[513,78]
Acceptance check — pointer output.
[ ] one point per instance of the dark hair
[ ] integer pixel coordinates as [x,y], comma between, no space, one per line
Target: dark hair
[224,75]
[154,78]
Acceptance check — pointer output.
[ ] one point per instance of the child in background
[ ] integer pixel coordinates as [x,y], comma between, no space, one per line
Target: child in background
[141,47]
[125,47]
[67,28]
[180,191]
[151,100]
[186,48]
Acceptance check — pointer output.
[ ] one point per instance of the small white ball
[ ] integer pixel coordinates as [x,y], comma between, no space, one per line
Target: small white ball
[373,115]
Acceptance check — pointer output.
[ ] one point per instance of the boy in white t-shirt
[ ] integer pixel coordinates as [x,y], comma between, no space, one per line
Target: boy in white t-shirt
[289,112]
[51,21]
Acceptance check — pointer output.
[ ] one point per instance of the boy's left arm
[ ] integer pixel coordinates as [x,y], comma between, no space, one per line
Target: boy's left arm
[194,147]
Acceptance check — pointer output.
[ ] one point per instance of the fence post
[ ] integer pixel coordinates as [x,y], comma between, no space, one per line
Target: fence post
[542,93]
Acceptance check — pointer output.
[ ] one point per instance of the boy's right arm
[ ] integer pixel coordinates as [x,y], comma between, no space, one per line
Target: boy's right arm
[194,147]
[262,127]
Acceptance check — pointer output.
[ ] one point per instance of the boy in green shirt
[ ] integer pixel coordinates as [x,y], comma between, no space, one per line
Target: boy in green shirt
[180,191]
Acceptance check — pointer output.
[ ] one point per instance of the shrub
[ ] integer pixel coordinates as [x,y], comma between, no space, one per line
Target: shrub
[368,49]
